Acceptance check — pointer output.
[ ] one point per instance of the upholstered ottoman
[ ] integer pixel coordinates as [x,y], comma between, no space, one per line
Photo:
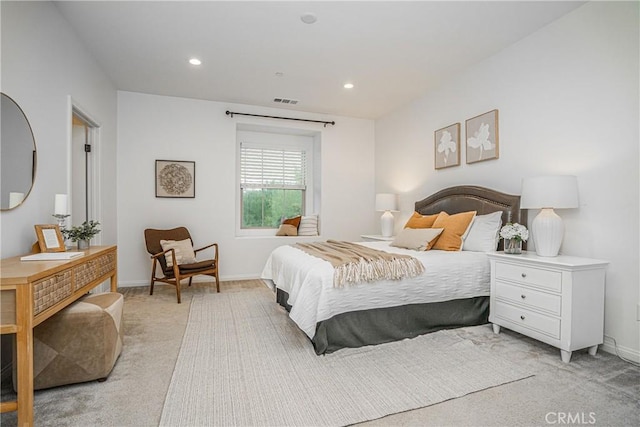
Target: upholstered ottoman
[80,343]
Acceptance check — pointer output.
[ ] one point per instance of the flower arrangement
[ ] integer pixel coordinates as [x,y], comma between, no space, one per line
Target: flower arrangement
[86,231]
[514,235]
[514,231]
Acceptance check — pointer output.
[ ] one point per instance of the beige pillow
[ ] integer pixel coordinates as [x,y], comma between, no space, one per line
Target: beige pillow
[308,226]
[418,239]
[287,230]
[420,221]
[455,226]
[183,249]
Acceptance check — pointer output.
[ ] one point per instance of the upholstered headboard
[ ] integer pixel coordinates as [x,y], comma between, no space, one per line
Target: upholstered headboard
[473,198]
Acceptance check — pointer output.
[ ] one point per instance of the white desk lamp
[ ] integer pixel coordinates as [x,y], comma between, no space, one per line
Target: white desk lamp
[548,193]
[388,203]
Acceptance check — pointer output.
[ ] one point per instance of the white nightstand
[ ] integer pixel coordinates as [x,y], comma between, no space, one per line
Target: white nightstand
[376,237]
[556,300]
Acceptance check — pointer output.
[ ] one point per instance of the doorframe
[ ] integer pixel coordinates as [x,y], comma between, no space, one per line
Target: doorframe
[93,138]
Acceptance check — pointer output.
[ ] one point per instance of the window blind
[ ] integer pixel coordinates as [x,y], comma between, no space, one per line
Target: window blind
[272,168]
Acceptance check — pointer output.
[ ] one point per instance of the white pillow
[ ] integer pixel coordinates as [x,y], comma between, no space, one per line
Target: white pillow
[484,233]
[183,249]
[418,239]
[308,226]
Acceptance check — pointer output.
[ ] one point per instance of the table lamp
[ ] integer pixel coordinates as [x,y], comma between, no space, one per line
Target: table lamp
[548,193]
[387,203]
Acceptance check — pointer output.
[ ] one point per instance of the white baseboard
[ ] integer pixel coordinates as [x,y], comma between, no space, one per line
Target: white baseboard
[201,279]
[626,352]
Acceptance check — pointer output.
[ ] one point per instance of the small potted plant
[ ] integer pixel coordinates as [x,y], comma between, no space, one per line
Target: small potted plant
[514,235]
[83,233]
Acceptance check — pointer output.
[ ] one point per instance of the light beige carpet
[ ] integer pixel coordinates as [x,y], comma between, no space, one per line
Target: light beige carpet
[135,392]
[243,362]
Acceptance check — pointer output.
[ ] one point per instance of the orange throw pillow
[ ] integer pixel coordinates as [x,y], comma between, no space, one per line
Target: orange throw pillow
[421,221]
[454,228]
[295,221]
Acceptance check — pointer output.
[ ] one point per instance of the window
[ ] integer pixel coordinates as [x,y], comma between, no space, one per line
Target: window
[273,184]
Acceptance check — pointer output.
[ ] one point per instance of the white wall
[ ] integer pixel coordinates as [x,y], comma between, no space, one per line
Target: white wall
[154,127]
[568,102]
[43,63]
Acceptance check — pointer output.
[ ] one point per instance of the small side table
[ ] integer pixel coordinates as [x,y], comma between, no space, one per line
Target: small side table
[376,238]
[556,300]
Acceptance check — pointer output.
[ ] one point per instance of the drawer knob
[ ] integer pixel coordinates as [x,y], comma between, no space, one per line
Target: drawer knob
[523,296]
[521,317]
[524,275]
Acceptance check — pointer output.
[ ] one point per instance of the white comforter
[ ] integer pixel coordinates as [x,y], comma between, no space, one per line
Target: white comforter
[309,282]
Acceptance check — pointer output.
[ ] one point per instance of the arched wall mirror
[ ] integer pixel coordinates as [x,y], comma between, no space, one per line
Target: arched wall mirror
[17,155]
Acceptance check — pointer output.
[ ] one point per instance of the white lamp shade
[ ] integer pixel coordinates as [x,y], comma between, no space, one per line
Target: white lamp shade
[551,191]
[386,202]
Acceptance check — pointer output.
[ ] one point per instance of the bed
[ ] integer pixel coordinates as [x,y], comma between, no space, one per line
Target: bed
[452,292]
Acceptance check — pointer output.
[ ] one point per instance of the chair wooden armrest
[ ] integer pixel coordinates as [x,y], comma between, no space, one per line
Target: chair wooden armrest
[162,253]
[213,245]
[175,268]
[173,257]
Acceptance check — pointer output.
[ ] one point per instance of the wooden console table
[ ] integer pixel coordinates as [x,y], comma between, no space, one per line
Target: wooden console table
[33,291]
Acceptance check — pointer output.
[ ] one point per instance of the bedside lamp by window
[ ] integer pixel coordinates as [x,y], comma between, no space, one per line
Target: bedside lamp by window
[387,203]
[548,193]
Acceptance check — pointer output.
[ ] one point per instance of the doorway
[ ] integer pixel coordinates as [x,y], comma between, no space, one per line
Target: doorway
[84,152]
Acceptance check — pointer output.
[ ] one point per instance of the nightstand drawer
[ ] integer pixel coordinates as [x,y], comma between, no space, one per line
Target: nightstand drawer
[546,324]
[547,279]
[529,297]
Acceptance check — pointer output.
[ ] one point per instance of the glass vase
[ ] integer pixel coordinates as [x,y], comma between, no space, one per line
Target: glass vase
[512,246]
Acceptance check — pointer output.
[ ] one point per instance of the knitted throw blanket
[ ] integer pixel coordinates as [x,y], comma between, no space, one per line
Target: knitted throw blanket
[355,263]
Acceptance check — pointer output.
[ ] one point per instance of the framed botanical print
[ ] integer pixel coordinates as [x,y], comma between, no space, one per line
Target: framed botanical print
[175,178]
[447,146]
[482,137]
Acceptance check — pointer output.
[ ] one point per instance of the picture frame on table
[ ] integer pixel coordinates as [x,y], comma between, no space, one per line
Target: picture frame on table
[175,179]
[50,238]
[447,146]
[482,140]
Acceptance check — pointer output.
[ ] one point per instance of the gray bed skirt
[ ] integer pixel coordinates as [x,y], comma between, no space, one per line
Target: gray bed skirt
[380,325]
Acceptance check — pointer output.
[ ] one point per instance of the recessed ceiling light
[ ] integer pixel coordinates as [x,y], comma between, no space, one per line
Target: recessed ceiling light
[195,61]
[308,18]
[348,86]
[279,74]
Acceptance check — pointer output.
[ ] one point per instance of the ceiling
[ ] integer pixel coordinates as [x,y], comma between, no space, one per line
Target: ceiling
[253,52]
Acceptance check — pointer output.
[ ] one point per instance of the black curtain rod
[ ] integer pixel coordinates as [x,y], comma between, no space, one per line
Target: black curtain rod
[231,113]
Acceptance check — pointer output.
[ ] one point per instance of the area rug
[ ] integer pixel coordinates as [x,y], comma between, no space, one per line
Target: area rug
[243,362]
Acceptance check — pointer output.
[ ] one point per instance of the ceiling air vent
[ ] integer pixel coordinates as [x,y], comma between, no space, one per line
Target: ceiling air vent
[285,101]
